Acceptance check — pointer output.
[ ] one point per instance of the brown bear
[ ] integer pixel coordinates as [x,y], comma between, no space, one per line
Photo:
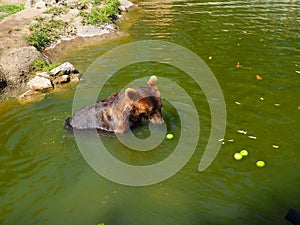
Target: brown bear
[121,111]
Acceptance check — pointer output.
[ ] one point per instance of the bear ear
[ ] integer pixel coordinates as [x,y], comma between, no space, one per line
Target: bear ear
[131,94]
[152,82]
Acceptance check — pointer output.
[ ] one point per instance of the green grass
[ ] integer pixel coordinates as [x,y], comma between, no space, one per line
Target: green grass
[43,66]
[44,32]
[7,10]
[101,14]
[57,10]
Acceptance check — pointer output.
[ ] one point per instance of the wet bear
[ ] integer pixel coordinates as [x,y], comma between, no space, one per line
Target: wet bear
[121,111]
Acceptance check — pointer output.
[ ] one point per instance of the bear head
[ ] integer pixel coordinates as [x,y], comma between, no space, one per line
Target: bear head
[145,102]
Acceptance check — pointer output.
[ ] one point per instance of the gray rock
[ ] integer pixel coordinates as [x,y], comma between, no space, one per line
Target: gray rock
[123,8]
[74,78]
[90,30]
[41,4]
[43,74]
[111,26]
[125,5]
[39,84]
[16,63]
[65,68]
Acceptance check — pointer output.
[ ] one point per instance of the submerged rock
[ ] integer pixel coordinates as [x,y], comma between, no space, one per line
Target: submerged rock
[31,96]
[30,93]
[40,84]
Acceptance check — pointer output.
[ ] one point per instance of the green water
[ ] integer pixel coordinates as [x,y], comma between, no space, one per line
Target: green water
[45,180]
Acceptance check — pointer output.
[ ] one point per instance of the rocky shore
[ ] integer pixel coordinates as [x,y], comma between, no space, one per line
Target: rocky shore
[18,77]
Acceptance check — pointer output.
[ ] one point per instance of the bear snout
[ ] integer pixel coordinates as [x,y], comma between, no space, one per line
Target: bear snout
[157,119]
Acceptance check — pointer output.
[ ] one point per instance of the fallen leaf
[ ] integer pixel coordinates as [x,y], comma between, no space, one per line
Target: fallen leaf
[238,65]
[258,77]
[242,131]
[252,137]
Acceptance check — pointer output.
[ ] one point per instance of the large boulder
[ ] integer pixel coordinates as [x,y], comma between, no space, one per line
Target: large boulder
[16,63]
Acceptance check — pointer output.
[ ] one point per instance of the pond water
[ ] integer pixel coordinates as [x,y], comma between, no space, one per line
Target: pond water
[45,180]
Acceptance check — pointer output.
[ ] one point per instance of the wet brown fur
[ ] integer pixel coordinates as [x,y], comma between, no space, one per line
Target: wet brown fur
[120,111]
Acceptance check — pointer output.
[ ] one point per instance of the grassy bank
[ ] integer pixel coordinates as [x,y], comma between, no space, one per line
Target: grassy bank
[91,12]
[6,10]
[45,31]
[101,11]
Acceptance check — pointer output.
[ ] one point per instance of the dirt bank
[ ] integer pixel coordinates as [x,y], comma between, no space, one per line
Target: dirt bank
[17,57]
[14,27]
